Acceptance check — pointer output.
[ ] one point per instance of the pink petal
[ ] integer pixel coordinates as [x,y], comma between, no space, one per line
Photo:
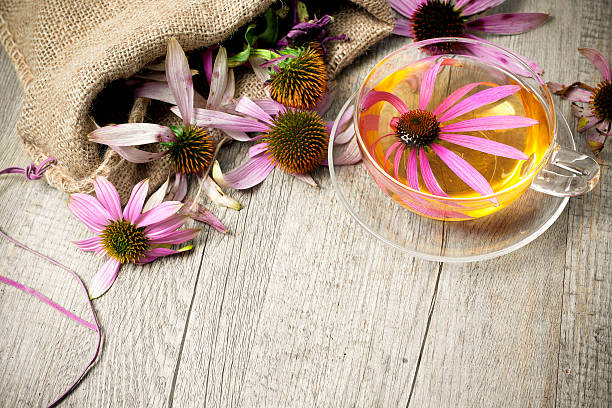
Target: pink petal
[579,111]
[90,244]
[135,155]
[585,123]
[179,79]
[391,149]
[248,174]
[490,123]
[218,82]
[226,121]
[306,178]
[406,7]
[170,224]
[491,55]
[207,62]
[107,196]
[397,159]
[463,170]
[456,95]
[89,211]
[104,278]
[131,134]
[428,177]
[478,100]
[508,23]
[373,97]
[377,141]
[258,149]
[478,6]
[159,213]
[326,102]
[597,58]
[427,84]
[412,170]
[133,208]
[484,145]
[160,91]
[204,215]
[246,106]
[179,188]
[260,71]
[176,237]
[403,27]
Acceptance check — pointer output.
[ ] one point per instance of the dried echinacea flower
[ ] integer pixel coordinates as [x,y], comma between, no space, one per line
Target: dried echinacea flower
[312,32]
[596,119]
[426,19]
[128,235]
[298,77]
[416,130]
[189,145]
[293,140]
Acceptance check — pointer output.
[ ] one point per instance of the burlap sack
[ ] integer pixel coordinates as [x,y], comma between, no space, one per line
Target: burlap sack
[66,51]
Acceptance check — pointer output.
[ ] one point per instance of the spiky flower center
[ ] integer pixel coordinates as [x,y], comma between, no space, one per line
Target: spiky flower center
[417,128]
[436,18]
[124,241]
[297,141]
[301,80]
[193,150]
[601,101]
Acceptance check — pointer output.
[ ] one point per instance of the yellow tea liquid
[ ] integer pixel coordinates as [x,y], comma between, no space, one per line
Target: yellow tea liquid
[501,173]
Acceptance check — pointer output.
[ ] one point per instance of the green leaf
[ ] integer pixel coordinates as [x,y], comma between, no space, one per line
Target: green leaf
[268,36]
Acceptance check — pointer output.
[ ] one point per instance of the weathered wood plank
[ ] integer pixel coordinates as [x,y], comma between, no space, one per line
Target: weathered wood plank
[585,350]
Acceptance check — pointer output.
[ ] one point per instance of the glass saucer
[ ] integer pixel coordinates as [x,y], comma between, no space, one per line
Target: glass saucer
[446,241]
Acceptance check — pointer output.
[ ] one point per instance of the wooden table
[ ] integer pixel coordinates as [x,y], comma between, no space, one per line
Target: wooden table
[299,307]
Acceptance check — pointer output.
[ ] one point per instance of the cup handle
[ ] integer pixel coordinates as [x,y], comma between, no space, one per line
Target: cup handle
[568,173]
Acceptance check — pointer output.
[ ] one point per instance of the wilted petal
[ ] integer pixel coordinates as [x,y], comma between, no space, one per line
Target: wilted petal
[576,92]
[463,170]
[490,123]
[179,79]
[217,196]
[247,175]
[350,155]
[132,134]
[90,244]
[427,84]
[225,121]
[230,88]
[133,208]
[430,180]
[260,72]
[104,278]
[306,178]
[135,155]
[246,106]
[218,81]
[579,111]
[157,197]
[478,100]
[207,62]
[107,196]
[373,97]
[585,123]
[484,145]
[203,214]
[179,187]
[597,58]
[508,23]
[159,213]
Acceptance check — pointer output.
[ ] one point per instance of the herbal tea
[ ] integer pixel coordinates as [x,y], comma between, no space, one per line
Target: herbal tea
[453,128]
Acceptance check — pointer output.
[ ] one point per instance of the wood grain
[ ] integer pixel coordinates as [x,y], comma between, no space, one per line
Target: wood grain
[298,306]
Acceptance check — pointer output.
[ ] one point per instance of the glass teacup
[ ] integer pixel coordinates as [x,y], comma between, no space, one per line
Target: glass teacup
[407,153]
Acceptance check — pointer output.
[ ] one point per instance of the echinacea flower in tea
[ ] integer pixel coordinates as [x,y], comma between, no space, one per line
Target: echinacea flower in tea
[426,19]
[596,119]
[128,235]
[189,146]
[416,131]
